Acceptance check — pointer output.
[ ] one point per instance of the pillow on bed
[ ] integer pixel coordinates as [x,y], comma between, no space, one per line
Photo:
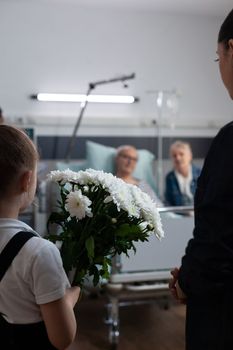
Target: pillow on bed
[102,157]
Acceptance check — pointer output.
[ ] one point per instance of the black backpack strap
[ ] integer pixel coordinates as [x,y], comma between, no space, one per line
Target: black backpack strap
[11,250]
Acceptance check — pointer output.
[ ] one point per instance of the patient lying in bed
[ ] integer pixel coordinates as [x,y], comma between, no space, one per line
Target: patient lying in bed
[126,160]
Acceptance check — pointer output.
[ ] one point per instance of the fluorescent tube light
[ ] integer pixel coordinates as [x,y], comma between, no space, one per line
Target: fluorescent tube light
[46,97]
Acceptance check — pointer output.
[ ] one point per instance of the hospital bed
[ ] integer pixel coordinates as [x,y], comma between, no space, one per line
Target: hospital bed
[144,276]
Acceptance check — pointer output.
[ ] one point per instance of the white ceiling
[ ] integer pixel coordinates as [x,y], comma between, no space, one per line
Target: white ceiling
[205,7]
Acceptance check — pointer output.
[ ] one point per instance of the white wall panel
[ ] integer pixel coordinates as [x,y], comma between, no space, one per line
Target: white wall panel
[60,47]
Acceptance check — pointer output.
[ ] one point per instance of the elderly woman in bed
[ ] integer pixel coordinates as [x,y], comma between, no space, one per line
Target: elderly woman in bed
[126,161]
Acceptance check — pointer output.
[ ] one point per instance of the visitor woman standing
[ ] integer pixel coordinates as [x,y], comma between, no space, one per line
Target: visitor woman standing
[205,278]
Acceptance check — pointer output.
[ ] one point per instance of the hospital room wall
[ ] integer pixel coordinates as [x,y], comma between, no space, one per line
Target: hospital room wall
[61,47]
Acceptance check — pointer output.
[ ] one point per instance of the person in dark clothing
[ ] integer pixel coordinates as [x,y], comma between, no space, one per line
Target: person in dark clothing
[205,279]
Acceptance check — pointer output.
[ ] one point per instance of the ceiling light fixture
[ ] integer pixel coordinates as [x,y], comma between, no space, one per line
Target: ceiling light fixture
[52,97]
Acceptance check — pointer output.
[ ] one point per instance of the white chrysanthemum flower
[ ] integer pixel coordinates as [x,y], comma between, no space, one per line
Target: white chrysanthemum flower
[84,178]
[117,188]
[98,177]
[55,176]
[62,177]
[148,210]
[78,205]
[122,197]
[151,215]
[137,195]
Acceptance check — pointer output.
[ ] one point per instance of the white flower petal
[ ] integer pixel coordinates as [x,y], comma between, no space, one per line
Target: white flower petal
[78,205]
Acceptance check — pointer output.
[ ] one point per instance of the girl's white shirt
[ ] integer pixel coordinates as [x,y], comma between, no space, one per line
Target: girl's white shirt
[36,276]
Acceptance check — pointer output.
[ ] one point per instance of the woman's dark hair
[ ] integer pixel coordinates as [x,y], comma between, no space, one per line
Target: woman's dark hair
[226,30]
[17,154]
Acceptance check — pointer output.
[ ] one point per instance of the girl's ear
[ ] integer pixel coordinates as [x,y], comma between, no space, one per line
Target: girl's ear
[25,180]
[230,44]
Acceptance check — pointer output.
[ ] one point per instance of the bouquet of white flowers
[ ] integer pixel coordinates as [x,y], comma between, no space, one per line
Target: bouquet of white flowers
[99,216]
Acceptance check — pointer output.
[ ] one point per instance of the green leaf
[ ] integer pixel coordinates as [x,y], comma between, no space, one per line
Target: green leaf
[127,230]
[96,278]
[56,217]
[90,246]
[79,277]
[93,271]
[67,255]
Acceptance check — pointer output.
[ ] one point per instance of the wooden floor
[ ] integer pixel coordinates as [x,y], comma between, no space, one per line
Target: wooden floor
[142,327]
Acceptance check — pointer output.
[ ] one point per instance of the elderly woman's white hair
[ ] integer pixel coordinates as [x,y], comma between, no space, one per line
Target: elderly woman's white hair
[180,144]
